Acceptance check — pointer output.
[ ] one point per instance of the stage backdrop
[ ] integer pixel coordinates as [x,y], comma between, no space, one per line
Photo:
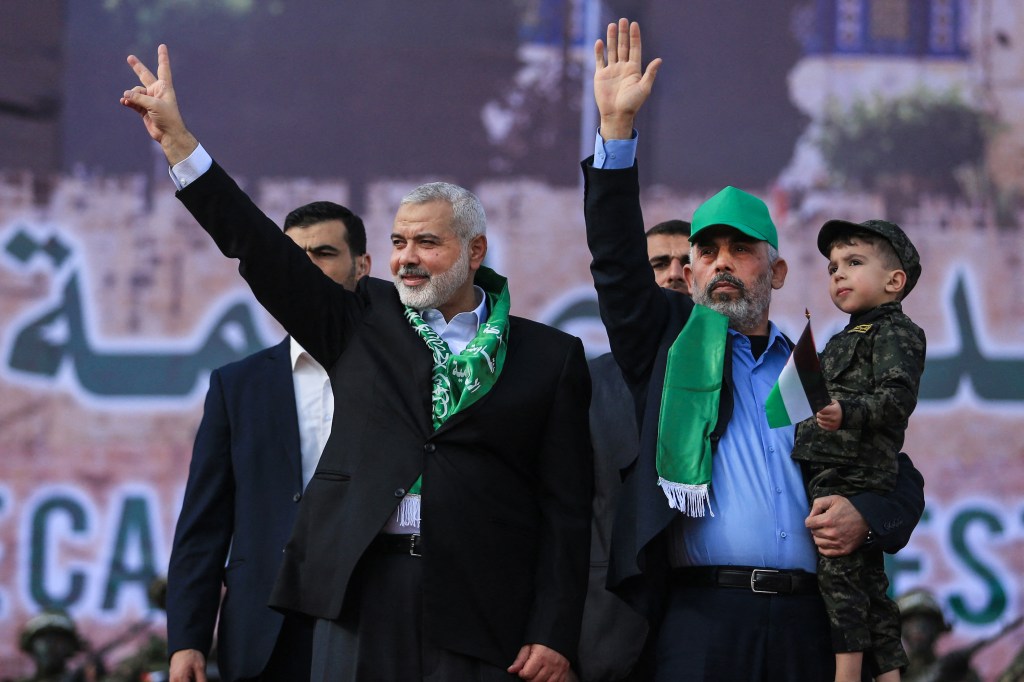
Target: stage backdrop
[115,306]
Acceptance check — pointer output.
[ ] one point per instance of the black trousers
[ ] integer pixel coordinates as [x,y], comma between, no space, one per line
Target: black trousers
[379,636]
[724,634]
[293,650]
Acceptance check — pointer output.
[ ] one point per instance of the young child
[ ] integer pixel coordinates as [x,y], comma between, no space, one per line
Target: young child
[872,369]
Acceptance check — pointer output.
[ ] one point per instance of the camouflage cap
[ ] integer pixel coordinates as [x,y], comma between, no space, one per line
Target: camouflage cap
[891,232]
[735,208]
[50,620]
[921,602]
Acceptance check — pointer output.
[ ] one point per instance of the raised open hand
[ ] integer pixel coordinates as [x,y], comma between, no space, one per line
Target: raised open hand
[621,86]
[155,101]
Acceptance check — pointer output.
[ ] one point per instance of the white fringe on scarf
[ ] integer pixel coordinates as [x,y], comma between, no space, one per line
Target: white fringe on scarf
[687,498]
[409,511]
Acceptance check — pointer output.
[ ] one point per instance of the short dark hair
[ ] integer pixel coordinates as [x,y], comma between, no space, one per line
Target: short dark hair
[671,228]
[322,211]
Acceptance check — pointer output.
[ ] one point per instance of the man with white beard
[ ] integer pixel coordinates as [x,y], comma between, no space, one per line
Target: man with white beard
[445,532]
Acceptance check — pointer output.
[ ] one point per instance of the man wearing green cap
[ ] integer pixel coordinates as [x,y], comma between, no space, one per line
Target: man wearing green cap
[711,539]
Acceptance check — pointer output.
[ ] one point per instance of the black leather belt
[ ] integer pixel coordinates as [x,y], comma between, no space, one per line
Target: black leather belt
[757,580]
[392,543]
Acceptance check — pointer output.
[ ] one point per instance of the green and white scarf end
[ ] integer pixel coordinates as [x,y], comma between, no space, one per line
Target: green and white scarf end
[690,499]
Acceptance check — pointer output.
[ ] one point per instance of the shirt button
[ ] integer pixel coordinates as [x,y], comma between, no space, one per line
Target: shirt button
[783,534]
[399,492]
[429,447]
[296,497]
[778,490]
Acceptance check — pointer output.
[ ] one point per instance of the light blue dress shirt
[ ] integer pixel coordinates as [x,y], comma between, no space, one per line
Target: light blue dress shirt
[757,490]
[462,328]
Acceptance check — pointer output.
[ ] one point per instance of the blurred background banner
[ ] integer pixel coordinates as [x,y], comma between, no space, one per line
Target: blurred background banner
[115,306]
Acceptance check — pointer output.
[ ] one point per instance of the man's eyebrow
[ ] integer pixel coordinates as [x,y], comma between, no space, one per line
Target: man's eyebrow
[322,248]
[418,237]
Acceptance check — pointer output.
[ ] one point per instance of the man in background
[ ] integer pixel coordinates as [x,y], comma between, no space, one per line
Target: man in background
[668,250]
[613,633]
[265,423]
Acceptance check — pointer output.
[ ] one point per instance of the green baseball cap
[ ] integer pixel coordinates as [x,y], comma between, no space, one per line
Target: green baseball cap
[735,208]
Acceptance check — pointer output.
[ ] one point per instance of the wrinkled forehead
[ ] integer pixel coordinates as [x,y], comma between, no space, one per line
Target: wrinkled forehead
[714,234]
[432,216]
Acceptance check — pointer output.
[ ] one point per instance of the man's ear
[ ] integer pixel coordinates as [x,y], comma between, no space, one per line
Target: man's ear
[779,271]
[363,264]
[897,280]
[477,251]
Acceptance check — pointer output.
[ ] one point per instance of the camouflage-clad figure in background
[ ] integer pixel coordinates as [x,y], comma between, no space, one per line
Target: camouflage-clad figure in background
[51,639]
[923,623]
[872,370]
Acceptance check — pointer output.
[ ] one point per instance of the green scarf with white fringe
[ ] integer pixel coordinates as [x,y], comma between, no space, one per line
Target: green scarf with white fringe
[459,380]
[689,410]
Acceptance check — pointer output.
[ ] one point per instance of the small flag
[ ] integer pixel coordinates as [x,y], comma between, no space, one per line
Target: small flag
[800,390]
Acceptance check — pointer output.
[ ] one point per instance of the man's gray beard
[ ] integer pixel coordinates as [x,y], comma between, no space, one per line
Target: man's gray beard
[439,288]
[746,311]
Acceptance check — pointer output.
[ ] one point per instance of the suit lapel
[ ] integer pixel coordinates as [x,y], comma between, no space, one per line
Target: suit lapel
[407,364]
[284,415]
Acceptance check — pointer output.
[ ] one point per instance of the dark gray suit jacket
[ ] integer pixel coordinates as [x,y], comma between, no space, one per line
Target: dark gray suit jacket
[613,633]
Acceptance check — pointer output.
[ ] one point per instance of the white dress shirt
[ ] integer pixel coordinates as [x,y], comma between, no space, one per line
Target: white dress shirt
[314,404]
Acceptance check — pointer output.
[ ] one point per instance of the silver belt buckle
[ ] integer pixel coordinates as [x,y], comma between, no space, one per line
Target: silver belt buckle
[753,577]
[412,545]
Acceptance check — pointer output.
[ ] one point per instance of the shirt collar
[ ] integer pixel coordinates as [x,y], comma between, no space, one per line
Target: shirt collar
[297,352]
[470,319]
[873,314]
[775,337]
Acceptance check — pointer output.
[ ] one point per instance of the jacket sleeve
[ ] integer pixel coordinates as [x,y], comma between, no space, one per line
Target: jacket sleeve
[203,533]
[894,516]
[633,307]
[317,311]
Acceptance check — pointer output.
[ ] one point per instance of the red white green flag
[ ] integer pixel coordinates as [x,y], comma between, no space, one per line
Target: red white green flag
[800,390]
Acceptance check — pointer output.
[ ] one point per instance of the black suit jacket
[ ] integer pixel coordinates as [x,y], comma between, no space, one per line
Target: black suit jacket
[243,487]
[643,320]
[506,483]
[613,633]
